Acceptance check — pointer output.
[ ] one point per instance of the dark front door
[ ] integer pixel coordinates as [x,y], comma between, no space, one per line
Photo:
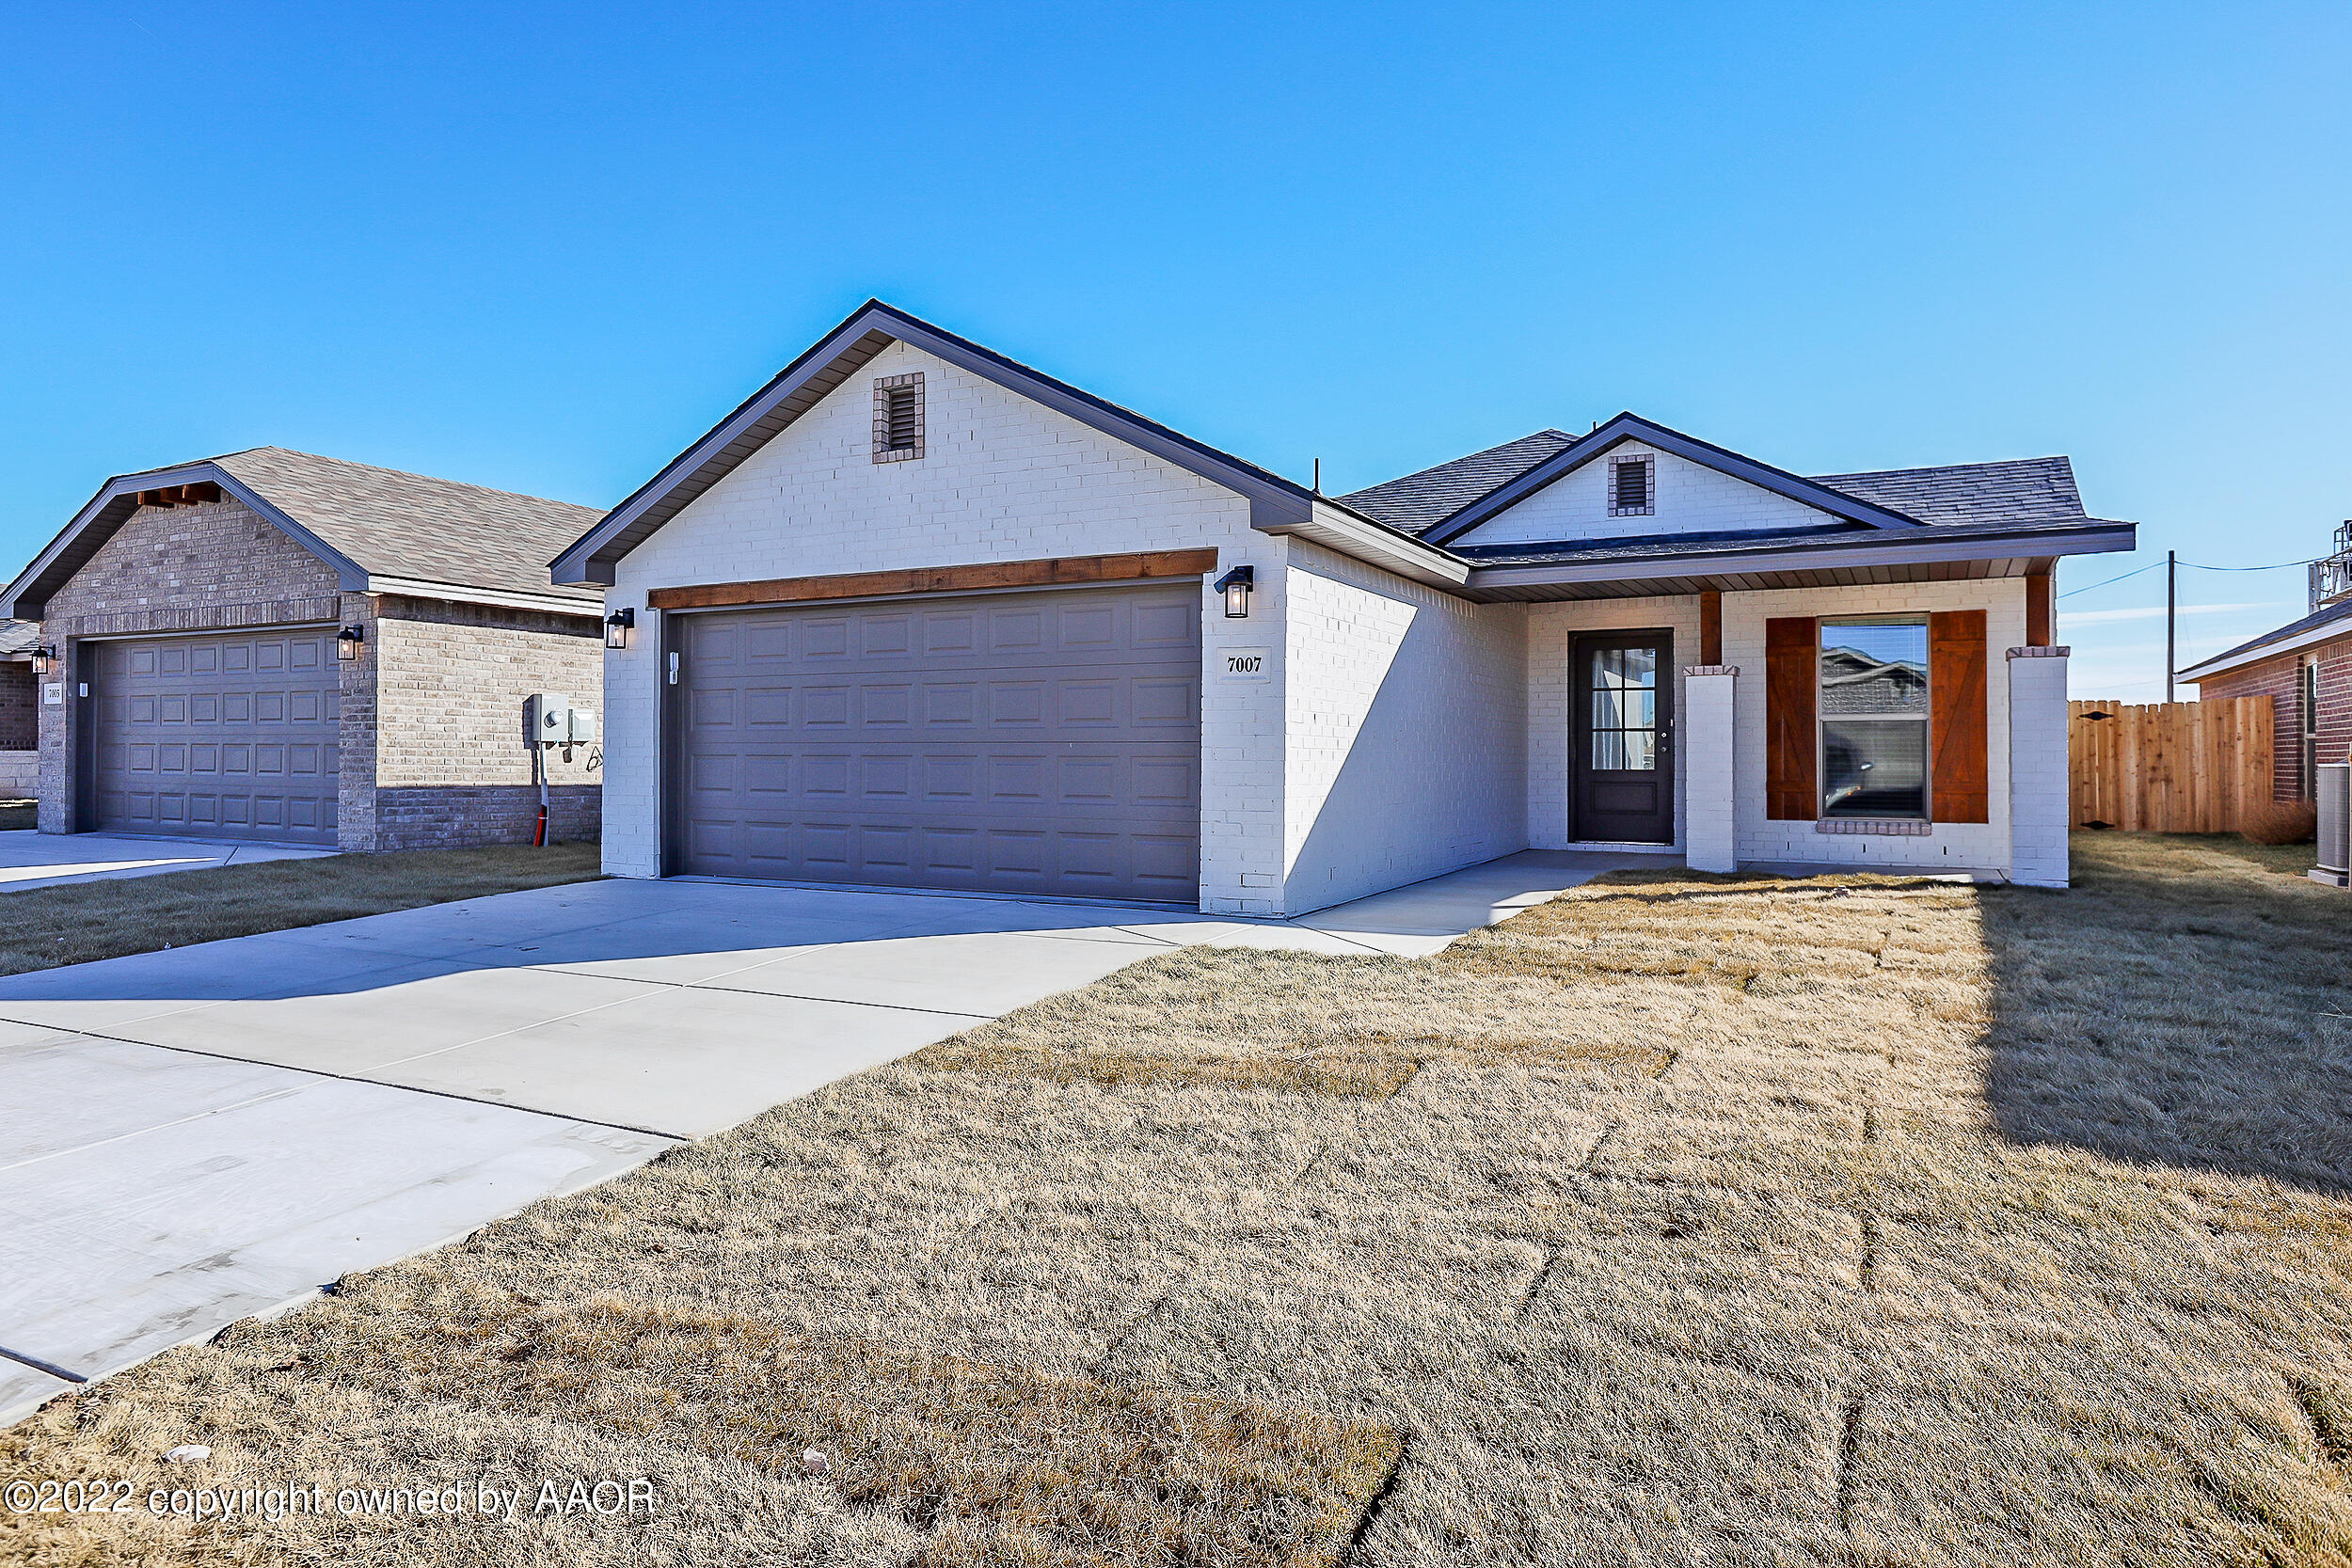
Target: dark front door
[1623,687]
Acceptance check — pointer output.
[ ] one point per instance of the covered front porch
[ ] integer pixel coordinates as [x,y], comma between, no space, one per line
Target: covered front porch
[1700,723]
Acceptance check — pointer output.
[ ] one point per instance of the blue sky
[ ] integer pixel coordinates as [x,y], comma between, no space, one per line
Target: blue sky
[543,249]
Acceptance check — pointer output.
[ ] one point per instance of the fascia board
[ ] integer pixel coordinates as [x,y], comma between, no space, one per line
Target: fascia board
[1360,539]
[1909,549]
[420,588]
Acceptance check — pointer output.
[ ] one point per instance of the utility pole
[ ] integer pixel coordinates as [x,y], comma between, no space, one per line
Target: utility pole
[2171,573]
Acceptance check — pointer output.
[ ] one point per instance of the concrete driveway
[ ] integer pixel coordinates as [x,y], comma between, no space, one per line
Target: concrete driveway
[191,1136]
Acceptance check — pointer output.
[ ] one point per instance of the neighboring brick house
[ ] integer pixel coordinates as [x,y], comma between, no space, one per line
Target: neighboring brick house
[2305,669]
[918,615]
[20,727]
[280,647]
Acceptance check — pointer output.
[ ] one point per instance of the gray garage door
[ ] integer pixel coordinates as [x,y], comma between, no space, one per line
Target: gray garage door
[1046,742]
[217,736]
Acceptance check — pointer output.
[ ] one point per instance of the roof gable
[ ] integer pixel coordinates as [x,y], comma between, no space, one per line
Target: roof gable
[380,529]
[801,385]
[1629,427]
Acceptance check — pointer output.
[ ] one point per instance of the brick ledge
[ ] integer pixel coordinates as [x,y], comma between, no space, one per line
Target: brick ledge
[1880,827]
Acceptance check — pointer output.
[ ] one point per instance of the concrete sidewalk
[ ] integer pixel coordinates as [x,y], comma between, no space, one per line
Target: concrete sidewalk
[31,860]
[190,1136]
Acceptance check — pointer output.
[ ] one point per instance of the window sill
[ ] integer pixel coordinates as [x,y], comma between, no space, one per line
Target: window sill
[1882,827]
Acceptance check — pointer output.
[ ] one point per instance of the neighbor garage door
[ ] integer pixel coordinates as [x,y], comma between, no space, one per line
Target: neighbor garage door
[1046,742]
[217,736]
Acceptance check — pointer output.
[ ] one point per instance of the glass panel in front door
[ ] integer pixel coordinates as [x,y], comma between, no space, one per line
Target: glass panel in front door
[1623,689]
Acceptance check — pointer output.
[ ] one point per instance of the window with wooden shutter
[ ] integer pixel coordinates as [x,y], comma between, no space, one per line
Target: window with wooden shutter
[1874,719]
[1957,740]
[1791,663]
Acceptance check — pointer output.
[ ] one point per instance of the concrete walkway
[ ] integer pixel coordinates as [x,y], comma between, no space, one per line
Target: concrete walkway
[190,1136]
[30,859]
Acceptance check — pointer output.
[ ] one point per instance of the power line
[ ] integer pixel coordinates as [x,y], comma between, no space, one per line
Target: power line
[2134,572]
[2279,567]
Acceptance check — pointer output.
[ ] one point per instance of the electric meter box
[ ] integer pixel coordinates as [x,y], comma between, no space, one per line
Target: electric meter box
[546,719]
[579,726]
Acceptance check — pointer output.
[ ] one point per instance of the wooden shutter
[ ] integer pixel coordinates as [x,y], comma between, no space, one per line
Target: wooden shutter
[1956,722]
[1792,674]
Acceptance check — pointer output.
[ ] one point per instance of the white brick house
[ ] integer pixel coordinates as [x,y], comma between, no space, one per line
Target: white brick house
[917,615]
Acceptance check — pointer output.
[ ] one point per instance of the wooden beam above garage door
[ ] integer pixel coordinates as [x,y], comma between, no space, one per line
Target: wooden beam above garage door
[1061,571]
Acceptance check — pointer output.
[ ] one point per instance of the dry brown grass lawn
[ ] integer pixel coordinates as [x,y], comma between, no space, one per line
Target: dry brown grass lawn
[45,928]
[1680,1221]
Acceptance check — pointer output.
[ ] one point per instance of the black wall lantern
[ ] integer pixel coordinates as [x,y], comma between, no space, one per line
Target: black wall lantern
[616,627]
[347,643]
[45,660]
[1235,586]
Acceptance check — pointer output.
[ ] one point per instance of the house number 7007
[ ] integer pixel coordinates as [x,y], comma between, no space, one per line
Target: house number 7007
[1246,664]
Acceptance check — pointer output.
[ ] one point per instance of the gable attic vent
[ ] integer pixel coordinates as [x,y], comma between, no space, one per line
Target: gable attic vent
[899,418]
[1631,492]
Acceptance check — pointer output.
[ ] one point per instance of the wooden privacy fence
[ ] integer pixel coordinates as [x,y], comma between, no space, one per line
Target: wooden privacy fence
[2168,767]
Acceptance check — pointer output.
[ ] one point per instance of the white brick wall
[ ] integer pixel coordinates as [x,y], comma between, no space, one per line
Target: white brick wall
[2038,769]
[1690,497]
[1711,811]
[1001,478]
[1949,845]
[1551,628]
[1404,743]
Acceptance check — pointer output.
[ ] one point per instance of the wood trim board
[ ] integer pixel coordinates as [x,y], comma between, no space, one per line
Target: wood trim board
[1070,569]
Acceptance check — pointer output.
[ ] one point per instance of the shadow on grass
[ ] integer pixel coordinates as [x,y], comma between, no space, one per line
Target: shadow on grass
[2184,1004]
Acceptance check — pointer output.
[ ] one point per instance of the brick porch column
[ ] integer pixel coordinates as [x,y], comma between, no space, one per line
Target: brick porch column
[2039,807]
[1710,811]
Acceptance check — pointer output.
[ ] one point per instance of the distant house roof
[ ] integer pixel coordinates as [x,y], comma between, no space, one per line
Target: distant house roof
[2031,489]
[18,639]
[2320,625]
[383,530]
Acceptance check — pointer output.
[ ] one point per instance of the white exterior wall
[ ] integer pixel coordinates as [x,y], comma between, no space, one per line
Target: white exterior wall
[1710,809]
[2039,804]
[1949,846]
[1552,630]
[1001,478]
[1404,742]
[1689,497]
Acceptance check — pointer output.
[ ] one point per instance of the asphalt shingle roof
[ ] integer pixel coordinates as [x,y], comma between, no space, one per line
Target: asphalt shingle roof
[403,525]
[17,637]
[2026,490]
[1419,502]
